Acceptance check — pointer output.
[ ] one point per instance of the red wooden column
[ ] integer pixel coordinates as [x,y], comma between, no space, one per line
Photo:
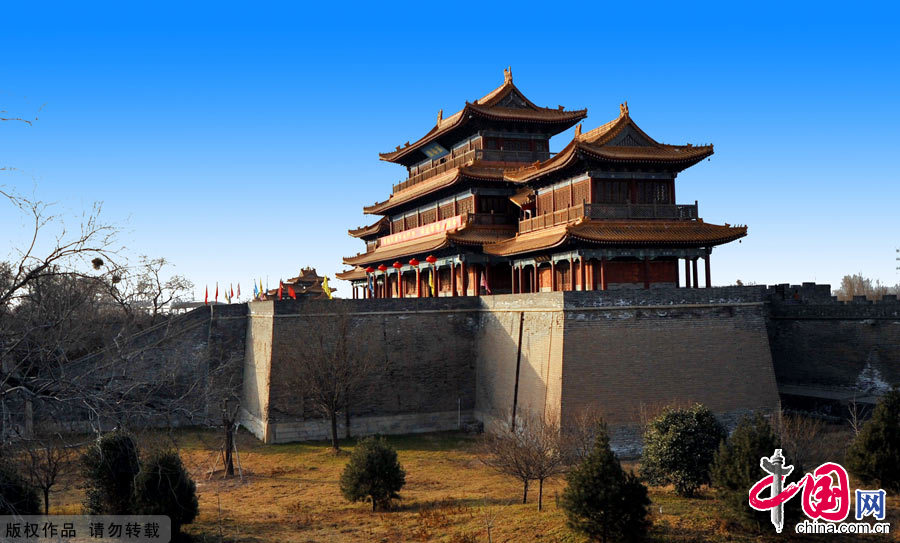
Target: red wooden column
[534,278]
[453,279]
[521,287]
[602,273]
[583,268]
[512,279]
[677,279]
[646,272]
[399,283]
[418,282]
[708,277]
[552,276]
[572,266]
[696,278]
[687,273]
[437,282]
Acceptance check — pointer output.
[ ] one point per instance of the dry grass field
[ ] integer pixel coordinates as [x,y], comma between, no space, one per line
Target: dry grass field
[289,493]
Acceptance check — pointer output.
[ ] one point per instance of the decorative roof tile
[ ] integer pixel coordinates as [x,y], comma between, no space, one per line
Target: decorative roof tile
[621,233]
[506,103]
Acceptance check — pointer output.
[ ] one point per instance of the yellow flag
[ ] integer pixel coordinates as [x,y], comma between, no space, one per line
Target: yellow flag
[431,281]
[326,288]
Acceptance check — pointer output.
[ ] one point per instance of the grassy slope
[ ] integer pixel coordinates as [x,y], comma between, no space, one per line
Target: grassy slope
[290,494]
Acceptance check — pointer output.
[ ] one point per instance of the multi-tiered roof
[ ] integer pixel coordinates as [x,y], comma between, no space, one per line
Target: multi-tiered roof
[496,147]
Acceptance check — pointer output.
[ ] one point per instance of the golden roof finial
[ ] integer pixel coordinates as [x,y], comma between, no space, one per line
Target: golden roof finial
[440,116]
[623,109]
[507,75]
[578,130]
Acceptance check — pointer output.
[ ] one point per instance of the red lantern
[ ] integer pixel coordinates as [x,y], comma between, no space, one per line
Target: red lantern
[370,269]
[413,262]
[398,265]
[382,267]
[430,259]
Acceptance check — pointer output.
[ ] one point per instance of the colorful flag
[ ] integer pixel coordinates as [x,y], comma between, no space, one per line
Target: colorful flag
[291,292]
[261,291]
[369,282]
[326,288]
[255,291]
[227,297]
[280,288]
[431,281]
[231,288]
[206,296]
[239,291]
[217,292]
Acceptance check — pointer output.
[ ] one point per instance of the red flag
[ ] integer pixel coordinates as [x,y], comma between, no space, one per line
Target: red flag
[239,290]
[280,287]
[232,290]
[217,292]
[291,292]
[206,296]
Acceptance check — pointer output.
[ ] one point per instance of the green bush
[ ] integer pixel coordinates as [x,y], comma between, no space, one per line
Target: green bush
[735,469]
[163,487]
[109,468]
[373,473]
[603,502]
[679,446]
[874,455]
[17,497]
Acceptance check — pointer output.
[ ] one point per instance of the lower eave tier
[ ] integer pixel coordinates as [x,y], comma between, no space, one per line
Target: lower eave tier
[588,232]
[620,234]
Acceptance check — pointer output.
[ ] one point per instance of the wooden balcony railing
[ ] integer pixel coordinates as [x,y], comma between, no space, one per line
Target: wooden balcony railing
[611,211]
[456,159]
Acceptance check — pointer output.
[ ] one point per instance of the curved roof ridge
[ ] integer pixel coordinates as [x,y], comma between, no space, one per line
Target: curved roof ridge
[482,105]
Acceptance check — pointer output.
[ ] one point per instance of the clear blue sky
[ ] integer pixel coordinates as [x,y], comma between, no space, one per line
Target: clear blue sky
[241,143]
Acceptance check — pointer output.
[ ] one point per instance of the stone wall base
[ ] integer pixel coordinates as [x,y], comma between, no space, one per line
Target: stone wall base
[320,429]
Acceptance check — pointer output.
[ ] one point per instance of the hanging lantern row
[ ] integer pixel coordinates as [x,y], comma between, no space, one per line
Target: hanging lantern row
[431,259]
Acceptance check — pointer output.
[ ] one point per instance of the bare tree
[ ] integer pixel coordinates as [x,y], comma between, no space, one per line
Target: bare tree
[534,450]
[334,365]
[858,285]
[580,434]
[45,460]
[802,438]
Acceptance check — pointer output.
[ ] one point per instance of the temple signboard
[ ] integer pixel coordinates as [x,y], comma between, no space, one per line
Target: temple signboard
[452,223]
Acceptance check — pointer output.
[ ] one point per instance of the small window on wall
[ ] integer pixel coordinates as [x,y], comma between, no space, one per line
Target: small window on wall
[540,146]
[491,143]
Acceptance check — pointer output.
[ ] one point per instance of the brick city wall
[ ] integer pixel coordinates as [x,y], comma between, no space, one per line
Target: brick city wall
[443,362]
[829,351]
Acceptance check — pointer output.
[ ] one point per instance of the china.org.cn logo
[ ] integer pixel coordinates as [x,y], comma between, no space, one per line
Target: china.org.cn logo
[826,497]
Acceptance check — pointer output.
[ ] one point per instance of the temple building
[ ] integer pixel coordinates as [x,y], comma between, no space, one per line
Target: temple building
[487,208]
[307,284]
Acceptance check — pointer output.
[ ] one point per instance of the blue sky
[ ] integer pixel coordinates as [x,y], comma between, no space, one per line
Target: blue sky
[243,143]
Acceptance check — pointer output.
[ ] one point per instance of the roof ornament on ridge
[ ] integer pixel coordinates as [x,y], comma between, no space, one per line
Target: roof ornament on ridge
[623,109]
[507,75]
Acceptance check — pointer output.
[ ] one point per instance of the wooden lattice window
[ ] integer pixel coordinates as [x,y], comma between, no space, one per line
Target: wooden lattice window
[465,205]
[429,216]
[410,221]
[545,203]
[446,211]
[397,226]
[580,192]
